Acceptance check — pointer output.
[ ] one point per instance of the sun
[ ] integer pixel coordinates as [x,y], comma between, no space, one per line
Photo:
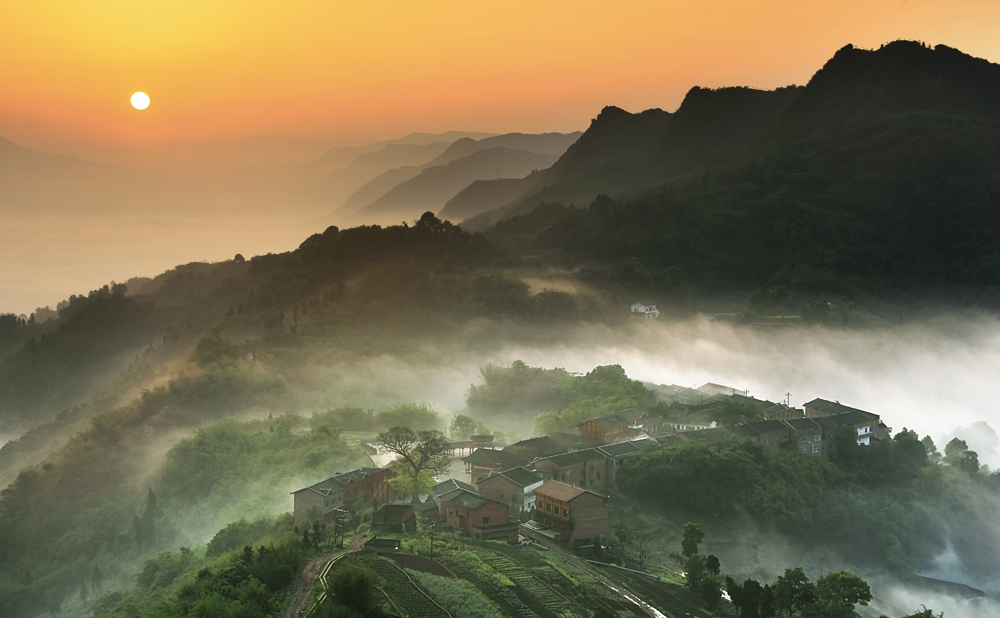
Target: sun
[140,100]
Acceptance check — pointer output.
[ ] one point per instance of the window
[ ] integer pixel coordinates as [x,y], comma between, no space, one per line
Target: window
[818,437]
[548,507]
[591,482]
[486,521]
[501,496]
[451,514]
[591,469]
[565,512]
[583,472]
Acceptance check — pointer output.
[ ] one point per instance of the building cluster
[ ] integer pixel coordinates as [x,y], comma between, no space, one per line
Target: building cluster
[558,485]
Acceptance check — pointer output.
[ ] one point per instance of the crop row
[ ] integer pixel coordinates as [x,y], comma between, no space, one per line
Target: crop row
[493,590]
[404,593]
[527,581]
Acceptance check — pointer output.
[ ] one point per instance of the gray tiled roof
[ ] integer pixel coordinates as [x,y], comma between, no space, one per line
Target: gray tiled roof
[575,457]
[468,499]
[451,485]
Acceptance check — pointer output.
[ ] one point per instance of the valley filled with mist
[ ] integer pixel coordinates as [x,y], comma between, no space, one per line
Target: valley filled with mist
[752,251]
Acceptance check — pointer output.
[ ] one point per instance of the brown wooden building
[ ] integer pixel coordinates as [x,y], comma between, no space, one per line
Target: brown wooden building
[587,469]
[575,515]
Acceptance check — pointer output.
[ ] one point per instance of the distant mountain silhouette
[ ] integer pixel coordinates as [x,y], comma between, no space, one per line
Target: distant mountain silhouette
[485,195]
[431,189]
[336,186]
[381,185]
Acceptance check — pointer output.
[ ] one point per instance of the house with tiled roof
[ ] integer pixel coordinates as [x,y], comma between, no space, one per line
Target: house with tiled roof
[619,453]
[471,514]
[448,488]
[587,468]
[533,448]
[485,460]
[514,487]
[354,490]
[573,514]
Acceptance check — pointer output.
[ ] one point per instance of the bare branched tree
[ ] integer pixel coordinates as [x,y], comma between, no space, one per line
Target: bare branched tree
[422,454]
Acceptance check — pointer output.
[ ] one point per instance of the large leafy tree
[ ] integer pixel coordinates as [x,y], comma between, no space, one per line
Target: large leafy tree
[793,591]
[421,455]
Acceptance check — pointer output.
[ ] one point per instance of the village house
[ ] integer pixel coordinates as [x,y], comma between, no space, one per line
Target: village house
[618,454]
[781,412]
[773,434]
[528,450]
[395,518]
[354,491]
[514,487]
[480,517]
[587,469]
[573,514]
[446,489]
[605,429]
[485,460]
[806,435]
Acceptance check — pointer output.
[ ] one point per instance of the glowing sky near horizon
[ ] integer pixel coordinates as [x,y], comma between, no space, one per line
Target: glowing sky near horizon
[383,67]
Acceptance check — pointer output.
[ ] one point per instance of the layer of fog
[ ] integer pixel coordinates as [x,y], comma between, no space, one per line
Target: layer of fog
[936,377]
[46,259]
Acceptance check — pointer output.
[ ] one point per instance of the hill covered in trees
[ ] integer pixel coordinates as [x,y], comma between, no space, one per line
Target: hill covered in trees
[874,181]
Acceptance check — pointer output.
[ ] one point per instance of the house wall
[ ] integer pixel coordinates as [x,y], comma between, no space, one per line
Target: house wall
[503,490]
[588,516]
[587,475]
[306,501]
[463,519]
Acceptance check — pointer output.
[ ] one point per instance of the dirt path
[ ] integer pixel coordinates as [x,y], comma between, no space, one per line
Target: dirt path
[648,609]
[308,579]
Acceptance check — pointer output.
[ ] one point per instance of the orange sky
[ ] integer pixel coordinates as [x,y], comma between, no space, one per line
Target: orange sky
[381,68]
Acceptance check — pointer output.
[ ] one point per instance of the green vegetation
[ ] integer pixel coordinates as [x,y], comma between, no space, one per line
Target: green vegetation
[457,596]
[846,503]
[555,398]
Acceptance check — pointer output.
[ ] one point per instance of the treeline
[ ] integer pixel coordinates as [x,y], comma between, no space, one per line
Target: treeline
[895,503]
[555,399]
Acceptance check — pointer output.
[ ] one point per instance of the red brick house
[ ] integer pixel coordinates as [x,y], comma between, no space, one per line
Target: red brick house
[480,517]
[514,487]
[446,489]
[353,491]
[575,515]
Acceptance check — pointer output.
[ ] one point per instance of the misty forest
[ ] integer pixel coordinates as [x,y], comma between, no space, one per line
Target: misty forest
[734,360]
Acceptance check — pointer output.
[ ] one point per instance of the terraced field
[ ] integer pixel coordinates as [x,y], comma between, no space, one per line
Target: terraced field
[493,590]
[402,591]
[530,581]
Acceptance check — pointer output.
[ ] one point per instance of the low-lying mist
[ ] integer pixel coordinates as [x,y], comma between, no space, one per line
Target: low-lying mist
[935,377]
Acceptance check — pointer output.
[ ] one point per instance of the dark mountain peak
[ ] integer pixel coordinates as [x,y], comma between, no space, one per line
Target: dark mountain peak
[901,76]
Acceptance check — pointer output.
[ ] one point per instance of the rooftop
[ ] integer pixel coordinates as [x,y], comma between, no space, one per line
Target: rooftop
[575,457]
[451,485]
[831,408]
[561,491]
[520,476]
[468,500]
[488,456]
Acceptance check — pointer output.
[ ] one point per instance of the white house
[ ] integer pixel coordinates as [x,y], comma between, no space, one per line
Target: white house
[650,311]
